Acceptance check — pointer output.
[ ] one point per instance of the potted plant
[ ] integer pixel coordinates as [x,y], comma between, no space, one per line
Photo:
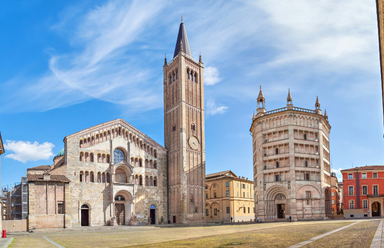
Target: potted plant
[162,220]
[149,220]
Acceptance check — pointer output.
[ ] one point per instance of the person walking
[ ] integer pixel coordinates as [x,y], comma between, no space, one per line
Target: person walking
[290,218]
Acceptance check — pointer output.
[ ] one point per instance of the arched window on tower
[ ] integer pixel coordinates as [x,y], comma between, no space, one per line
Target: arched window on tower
[188,73]
[193,127]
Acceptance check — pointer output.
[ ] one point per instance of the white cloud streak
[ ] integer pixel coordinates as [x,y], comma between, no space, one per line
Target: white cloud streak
[211,76]
[24,151]
[212,109]
[338,174]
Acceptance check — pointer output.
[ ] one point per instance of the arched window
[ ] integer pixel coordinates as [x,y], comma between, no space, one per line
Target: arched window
[173,128]
[193,127]
[146,181]
[141,180]
[99,158]
[107,158]
[92,177]
[84,206]
[155,182]
[155,165]
[155,154]
[188,73]
[108,178]
[103,177]
[86,157]
[170,79]
[91,157]
[119,198]
[140,163]
[118,156]
[174,76]
[151,180]
[81,156]
[81,144]
[86,176]
[191,76]
[81,176]
[176,73]
[194,77]
[99,177]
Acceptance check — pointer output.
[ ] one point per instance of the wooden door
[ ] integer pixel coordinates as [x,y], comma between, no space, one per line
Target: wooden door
[120,214]
[84,217]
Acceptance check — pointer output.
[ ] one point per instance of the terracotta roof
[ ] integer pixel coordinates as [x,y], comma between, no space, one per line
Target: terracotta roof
[53,178]
[219,173]
[40,167]
[368,167]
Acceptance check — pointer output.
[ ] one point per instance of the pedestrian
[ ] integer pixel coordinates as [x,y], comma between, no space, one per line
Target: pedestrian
[231,220]
[290,218]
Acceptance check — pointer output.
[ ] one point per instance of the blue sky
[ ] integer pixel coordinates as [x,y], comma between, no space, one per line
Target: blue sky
[69,65]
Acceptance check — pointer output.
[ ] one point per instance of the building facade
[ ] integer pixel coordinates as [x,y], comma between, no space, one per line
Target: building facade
[228,198]
[363,191]
[335,195]
[184,133]
[291,165]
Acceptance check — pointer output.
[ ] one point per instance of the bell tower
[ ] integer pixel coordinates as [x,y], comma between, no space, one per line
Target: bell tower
[184,133]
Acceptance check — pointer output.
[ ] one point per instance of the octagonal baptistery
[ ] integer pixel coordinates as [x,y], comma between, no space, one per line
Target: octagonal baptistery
[117,176]
[291,162]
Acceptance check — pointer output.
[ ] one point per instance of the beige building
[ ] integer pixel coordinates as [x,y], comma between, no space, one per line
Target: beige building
[228,197]
[291,162]
[184,133]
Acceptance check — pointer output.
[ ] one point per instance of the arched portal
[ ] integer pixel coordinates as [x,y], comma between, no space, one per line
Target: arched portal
[123,207]
[152,214]
[85,215]
[277,204]
[375,209]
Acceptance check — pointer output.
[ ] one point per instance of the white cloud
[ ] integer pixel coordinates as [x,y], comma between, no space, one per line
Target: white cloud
[338,174]
[24,151]
[212,109]
[211,76]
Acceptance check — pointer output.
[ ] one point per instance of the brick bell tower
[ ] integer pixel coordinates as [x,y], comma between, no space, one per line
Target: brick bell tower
[184,133]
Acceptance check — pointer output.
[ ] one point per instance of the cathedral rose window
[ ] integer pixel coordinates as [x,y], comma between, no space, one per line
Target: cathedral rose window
[118,156]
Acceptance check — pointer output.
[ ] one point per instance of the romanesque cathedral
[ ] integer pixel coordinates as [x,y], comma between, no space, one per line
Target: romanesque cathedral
[113,174]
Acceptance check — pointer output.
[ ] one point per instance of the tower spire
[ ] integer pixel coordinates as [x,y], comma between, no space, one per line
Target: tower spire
[182,38]
[325,114]
[165,60]
[317,104]
[260,102]
[289,98]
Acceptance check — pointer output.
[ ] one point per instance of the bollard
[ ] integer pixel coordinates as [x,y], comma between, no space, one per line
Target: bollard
[4,234]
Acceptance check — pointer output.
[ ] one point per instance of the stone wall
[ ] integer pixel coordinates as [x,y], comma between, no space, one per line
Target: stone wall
[15,225]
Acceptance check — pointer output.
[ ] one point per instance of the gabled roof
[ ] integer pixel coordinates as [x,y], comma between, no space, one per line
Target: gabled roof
[1,146]
[222,173]
[368,167]
[40,167]
[182,38]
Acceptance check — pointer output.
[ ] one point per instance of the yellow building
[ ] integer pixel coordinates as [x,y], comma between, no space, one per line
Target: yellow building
[228,196]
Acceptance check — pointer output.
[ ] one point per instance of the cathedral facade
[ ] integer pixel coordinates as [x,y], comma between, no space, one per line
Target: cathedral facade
[113,174]
[291,162]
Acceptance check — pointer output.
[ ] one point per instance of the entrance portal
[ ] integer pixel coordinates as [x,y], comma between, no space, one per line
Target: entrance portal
[281,211]
[153,216]
[375,209]
[120,213]
[174,219]
[84,215]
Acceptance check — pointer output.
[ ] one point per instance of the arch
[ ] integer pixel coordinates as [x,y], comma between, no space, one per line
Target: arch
[86,157]
[155,164]
[97,138]
[99,177]
[271,193]
[151,181]
[140,162]
[119,155]
[103,177]
[81,176]
[81,156]
[140,180]
[188,73]
[108,179]
[146,181]
[155,153]
[85,213]
[155,181]
[122,174]
[99,158]
[91,157]
[91,177]
[301,191]
[108,158]
[81,144]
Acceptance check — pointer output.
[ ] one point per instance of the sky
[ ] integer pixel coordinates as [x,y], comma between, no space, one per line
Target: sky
[69,65]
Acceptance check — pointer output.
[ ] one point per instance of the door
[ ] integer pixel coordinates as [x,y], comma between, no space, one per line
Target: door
[174,219]
[84,217]
[376,209]
[281,211]
[153,216]
[120,214]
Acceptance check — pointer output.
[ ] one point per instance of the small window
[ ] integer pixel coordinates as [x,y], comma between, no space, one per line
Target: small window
[243,194]
[237,193]
[227,193]
[277,150]
[308,194]
[350,190]
[174,128]
[214,195]
[307,176]
[244,209]
[249,210]
[374,175]
[306,163]
[277,178]
[375,190]
[365,204]
[228,210]
[247,194]
[206,212]
[350,176]
[193,127]
[243,186]
[364,175]
[206,187]
[277,164]
[215,211]
[352,205]
[60,208]
[226,184]
[305,136]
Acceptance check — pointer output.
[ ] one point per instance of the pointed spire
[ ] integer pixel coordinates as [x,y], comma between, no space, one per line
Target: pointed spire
[260,102]
[261,98]
[325,114]
[182,43]
[317,104]
[200,61]
[165,60]
[289,98]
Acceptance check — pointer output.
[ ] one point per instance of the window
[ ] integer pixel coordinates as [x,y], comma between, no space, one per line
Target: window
[118,156]
[214,195]
[206,187]
[350,176]
[193,127]
[306,163]
[227,193]
[249,209]
[60,208]
[375,190]
[243,186]
[206,196]
[352,204]
[277,164]
[174,128]
[277,178]
[228,210]
[243,194]
[365,203]
[277,150]
[307,176]
[374,175]
[215,211]
[365,190]
[214,185]
[308,194]
[206,212]
[226,184]
[305,136]
[364,175]
[244,209]
[350,190]
[237,193]
[247,194]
